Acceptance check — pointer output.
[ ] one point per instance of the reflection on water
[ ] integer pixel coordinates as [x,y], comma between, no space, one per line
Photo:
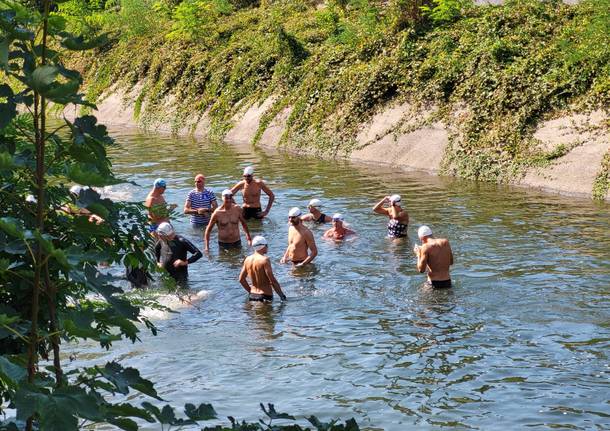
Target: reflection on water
[520,341]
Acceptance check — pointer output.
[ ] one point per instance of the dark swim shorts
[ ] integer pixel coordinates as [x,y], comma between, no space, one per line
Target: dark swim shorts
[250,212]
[439,284]
[259,297]
[228,245]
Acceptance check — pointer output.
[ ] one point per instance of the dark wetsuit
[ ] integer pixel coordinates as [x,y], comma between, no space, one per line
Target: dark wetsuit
[259,297]
[397,229]
[321,219]
[250,212]
[226,245]
[167,252]
[439,284]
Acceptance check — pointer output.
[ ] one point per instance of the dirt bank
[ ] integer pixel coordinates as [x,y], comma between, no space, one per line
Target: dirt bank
[409,139]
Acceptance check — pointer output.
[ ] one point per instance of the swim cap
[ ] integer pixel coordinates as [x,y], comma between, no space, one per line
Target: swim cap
[258,242]
[394,199]
[165,228]
[317,203]
[160,182]
[424,231]
[227,192]
[31,199]
[76,189]
[337,216]
[248,170]
[294,212]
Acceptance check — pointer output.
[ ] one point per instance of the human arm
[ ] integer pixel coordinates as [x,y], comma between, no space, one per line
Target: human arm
[307,217]
[237,187]
[208,231]
[313,249]
[450,254]
[422,258]
[242,220]
[273,280]
[379,209]
[243,280]
[158,253]
[195,252]
[271,196]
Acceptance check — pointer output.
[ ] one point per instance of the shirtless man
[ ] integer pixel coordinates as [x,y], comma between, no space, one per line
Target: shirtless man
[434,255]
[338,231]
[251,190]
[228,216]
[158,209]
[315,215]
[300,240]
[258,267]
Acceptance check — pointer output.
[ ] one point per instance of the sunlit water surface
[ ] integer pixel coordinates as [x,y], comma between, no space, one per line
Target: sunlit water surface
[520,341]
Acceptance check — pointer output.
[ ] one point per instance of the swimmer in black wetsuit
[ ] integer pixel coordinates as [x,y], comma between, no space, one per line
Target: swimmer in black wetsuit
[315,215]
[171,251]
[399,218]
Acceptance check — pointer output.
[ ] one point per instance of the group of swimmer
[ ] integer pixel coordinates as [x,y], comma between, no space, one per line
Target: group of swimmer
[434,255]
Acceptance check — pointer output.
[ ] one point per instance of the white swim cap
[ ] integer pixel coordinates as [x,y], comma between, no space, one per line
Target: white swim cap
[76,189]
[424,231]
[259,242]
[227,192]
[248,170]
[315,203]
[165,228]
[337,216]
[294,212]
[394,199]
[31,199]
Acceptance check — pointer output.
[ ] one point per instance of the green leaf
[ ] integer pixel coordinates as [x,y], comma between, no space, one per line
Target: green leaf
[77,401]
[57,418]
[10,372]
[4,53]
[116,410]
[123,378]
[273,414]
[124,424]
[6,160]
[204,412]
[43,77]
[12,227]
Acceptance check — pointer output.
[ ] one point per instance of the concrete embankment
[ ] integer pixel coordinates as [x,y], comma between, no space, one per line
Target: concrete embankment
[411,139]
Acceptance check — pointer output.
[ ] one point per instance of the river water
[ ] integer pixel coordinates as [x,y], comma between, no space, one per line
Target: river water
[520,341]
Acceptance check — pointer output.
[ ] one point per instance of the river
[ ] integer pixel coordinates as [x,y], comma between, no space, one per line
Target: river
[520,341]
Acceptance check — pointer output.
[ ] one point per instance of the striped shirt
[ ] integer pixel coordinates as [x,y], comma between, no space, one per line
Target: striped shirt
[198,200]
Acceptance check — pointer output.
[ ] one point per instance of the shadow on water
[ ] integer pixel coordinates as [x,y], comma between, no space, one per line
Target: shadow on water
[521,339]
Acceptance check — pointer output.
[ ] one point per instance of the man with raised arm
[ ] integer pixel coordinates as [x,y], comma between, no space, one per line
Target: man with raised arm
[301,245]
[257,266]
[200,204]
[171,251]
[435,256]
[251,189]
[228,217]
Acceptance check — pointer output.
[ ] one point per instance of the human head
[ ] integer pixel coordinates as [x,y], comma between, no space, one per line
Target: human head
[227,195]
[338,219]
[160,185]
[165,230]
[248,174]
[199,181]
[294,216]
[395,200]
[76,189]
[424,232]
[314,203]
[259,243]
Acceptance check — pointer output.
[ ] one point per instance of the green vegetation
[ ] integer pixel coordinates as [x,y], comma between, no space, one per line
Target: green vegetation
[504,68]
[56,245]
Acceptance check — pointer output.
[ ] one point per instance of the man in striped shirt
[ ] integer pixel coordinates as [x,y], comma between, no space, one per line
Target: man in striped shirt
[200,204]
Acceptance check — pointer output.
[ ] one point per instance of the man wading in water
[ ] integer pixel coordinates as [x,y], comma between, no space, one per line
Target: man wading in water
[171,251]
[300,240]
[200,204]
[228,216]
[251,190]
[257,266]
[434,254]
[158,209]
